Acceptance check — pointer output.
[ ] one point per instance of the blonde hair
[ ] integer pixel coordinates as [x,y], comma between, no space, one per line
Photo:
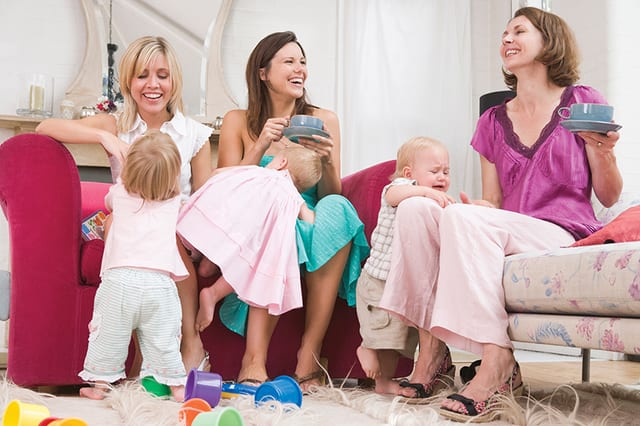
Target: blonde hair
[304,165]
[152,167]
[134,60]
[407,152]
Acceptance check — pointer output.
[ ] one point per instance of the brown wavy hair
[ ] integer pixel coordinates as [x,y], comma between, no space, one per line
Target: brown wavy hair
[259,107]
[559,51]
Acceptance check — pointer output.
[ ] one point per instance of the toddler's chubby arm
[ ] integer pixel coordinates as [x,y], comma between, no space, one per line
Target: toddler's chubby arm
[306,214]
[397,193]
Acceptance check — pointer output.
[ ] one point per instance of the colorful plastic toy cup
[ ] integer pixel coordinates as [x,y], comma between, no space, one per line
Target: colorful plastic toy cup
[20,413]
[233,390]
[48,421]
[283,389]
[191,409]
[151,385]
[70,421]
[221,416]
[203,385]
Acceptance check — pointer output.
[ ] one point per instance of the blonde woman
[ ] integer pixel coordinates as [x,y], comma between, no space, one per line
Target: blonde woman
[151,84]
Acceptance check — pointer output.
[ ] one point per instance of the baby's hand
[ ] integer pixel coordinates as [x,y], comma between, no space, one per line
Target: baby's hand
[442,198]
[306,214]
[466,200]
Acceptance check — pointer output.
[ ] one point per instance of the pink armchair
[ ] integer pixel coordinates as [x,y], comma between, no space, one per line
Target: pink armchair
[55,274]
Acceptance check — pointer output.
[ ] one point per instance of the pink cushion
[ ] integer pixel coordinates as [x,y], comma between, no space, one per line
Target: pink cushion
[625,227]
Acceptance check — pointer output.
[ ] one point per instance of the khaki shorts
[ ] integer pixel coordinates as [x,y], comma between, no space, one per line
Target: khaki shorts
[380,329]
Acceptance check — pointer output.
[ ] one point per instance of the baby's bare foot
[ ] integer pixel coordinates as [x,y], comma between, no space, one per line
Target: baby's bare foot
[97,392]
[208,299]
[177,392]
[369,362]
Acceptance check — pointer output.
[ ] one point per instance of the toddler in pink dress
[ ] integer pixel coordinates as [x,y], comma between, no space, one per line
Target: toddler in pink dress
[243,221]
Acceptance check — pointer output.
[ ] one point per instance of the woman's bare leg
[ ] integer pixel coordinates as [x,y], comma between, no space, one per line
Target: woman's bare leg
[191,347]
[322,291]
[260,327]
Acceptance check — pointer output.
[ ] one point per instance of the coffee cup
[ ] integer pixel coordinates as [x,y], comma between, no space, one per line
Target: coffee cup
[306,121]
[587,112]
[20,413]
[227,416]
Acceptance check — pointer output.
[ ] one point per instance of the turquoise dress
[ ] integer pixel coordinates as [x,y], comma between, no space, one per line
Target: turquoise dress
[336,224]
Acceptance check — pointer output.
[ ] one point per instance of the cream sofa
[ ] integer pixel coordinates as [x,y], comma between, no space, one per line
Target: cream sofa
[586,297]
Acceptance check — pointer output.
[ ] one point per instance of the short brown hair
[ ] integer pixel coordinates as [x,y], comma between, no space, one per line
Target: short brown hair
[559,51]
[152,167]
[304,165]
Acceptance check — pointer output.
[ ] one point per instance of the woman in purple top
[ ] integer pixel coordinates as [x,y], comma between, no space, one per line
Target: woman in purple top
[537,180]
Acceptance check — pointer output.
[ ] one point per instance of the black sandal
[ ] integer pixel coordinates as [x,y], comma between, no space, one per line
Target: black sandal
[469,372]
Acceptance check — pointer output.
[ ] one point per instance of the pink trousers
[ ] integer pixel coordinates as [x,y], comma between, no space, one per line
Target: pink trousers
[447,264]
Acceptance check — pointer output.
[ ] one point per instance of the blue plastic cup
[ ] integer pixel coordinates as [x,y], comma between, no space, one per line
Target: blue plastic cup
[283,389]
[203,385]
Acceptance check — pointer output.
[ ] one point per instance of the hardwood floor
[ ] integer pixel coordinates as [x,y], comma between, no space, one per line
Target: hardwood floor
[549,374]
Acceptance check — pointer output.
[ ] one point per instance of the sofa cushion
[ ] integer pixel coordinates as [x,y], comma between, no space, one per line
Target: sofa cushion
[591,280]
[91,261]
[625,227]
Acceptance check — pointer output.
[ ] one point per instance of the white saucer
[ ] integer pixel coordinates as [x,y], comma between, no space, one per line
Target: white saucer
[590,126]
[293,133]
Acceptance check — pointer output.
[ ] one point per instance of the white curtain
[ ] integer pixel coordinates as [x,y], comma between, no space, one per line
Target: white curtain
[406,71]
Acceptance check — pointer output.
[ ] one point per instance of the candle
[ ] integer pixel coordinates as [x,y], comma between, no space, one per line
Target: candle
[36,97]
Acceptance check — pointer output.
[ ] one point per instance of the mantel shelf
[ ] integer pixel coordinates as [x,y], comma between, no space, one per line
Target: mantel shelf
[91,155]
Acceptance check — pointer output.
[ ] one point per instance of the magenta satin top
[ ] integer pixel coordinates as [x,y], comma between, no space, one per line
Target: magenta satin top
[551,179]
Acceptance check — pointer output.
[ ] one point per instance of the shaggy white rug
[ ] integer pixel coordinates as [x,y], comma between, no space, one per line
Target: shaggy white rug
[582,405]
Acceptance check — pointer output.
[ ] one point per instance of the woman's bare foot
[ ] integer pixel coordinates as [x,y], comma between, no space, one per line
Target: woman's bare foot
[253,374]
[97,391]
[308,372]
[496,368]
[177,392]
[369,361]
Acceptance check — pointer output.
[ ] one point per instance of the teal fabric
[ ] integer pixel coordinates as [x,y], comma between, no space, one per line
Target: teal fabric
[336,224]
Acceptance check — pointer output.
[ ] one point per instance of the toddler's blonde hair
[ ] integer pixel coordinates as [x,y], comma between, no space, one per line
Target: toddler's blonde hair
[152,167]
[304,165]
[407,152]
